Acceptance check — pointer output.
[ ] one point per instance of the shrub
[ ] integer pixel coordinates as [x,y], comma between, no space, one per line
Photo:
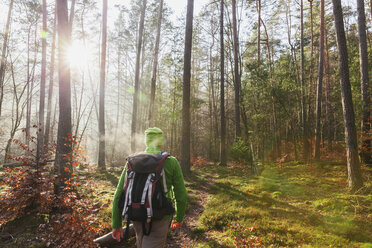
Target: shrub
[240,151]
[73,219]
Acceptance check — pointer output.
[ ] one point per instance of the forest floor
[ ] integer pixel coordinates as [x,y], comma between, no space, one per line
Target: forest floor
[293,204]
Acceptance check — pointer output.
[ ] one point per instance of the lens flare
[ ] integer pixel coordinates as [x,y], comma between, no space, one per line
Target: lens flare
[78,55]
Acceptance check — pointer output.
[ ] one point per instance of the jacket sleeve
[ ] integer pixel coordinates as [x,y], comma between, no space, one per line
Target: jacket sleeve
[179,191]
[116,215]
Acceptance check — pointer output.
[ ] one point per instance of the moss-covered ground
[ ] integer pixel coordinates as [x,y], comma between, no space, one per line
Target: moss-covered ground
[287,205]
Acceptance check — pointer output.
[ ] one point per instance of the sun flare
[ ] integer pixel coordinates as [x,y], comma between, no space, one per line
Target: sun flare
[78,55]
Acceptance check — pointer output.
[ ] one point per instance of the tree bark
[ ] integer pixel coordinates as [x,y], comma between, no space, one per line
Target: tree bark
[320,83]
[258,32]
[222,89]
[329,114]
[64,139]
[3,54]
[101,125]
[51,79]
[40,134]
[155,65]
[303,103]
[366,153]
[136,78]
[354,173]
[236,72]
[186,118]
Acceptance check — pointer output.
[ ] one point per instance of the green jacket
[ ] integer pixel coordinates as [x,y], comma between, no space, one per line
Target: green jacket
[175,184]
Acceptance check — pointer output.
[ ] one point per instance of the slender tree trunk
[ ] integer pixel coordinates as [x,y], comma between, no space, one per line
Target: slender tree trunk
[3,54]
[155,65]
[30,87]
[72,15]
[311,88]
[303,103]
[366,152]
[28,109]
[40,134]
[136,78]
[370,9]
[118,105]
[236,72]
[329,114]
[51,79]
[320,83]
[64,139]
[101,126]
[354,172]
[222,90]
[258,32]
[186,118]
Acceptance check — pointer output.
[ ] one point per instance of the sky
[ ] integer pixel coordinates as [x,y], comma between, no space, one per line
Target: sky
[179,7]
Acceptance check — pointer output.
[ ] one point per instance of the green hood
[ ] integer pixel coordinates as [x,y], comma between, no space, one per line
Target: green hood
[153,139]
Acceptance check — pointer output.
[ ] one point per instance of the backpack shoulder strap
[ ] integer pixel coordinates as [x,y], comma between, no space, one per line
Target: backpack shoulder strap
[160,166]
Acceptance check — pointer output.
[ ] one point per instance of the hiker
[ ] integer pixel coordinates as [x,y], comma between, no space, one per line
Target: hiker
[174,188]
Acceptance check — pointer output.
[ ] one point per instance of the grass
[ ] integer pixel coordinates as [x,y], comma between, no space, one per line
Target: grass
[287,205]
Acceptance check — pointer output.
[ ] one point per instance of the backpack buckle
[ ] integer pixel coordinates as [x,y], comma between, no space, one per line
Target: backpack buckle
[155,177]
[130,175]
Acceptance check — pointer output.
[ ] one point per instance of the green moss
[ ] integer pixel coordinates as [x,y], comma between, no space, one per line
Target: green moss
[287,206]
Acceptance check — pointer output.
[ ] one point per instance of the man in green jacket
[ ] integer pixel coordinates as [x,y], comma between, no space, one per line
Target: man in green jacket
[175,183]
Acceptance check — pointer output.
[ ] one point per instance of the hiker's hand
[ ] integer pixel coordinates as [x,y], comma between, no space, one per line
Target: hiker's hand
[175,225]
[117,233]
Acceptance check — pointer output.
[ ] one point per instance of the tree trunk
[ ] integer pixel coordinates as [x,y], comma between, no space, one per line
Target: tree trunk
[118,106]
[136,78]
[186,118]
[236,73]
[64,144]
[258,31]
[155,65]
[51,80]
[320,83]
[366,152]
[101,124]
[3,54]
[303,104]
[222,90]
[370,9]
[329,114]
[310,112]
[40,134]
[354,172]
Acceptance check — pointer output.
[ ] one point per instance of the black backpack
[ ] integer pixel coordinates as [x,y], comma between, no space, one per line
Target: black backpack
[143,197]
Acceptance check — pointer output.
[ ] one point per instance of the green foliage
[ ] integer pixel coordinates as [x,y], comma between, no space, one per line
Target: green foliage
[240,151]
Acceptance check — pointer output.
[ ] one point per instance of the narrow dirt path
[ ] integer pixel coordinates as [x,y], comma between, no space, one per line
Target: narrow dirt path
[182,236]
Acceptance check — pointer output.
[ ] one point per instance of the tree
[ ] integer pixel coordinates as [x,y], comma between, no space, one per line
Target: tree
[186,120]
[51,78]
[4,52]
[136,77]
[320,83]
[101,125]
[303,104]
[258,2]
[40,134]
[236,72]
[155,64]
[366,152]
[64,139]
[354,173]
[222,90]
